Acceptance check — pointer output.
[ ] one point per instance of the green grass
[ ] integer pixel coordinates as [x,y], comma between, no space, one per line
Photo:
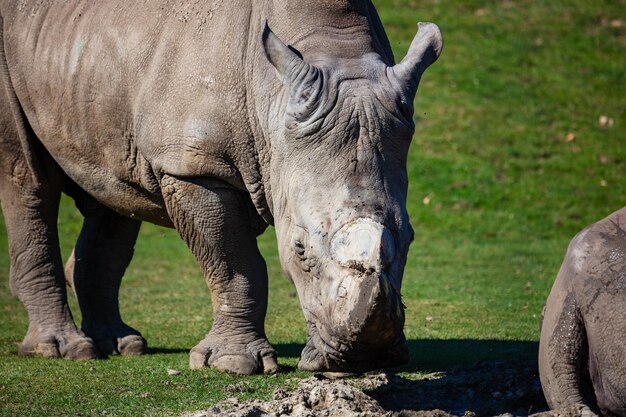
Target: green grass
[505,193]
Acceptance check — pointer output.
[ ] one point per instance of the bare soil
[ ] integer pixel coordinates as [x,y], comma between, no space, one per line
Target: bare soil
[493,388]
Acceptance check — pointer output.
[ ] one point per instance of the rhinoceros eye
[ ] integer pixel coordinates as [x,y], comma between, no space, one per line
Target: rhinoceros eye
[298,248]
[299,242]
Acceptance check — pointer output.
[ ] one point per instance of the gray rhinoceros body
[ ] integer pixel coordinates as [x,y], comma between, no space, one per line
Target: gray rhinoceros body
[195,115]
[121,92]
[582,352]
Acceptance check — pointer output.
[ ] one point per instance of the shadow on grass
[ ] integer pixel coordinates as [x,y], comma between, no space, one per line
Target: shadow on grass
[488,377]
[289,350]
[166,351]
[432,355]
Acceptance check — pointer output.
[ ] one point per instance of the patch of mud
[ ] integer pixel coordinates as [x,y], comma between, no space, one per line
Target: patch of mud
[482,389]
[314,397]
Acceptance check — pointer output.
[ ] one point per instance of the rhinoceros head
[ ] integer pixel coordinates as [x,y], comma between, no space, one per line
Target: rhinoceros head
[339,187]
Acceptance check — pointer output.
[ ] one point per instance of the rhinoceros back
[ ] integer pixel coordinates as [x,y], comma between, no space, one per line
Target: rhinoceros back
[120,92]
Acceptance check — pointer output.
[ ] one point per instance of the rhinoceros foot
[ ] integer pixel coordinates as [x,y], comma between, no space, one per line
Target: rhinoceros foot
[68,344]
[117,340]
[320,356]
[239,357]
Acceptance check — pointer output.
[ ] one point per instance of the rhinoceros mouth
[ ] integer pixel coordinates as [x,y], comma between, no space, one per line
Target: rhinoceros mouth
[325,352]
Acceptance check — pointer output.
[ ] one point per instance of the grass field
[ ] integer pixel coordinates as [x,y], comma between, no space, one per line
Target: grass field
[508,162]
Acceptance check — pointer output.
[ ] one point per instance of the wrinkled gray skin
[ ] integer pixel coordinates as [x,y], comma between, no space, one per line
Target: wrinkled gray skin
[195,115]
[582,352]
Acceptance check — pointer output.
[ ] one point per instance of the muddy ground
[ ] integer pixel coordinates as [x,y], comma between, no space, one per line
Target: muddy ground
[491,388]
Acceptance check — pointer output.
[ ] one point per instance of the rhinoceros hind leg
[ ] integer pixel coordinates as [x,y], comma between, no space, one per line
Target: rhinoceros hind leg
[95,269]
[218,223]
[30,189]
[30,209]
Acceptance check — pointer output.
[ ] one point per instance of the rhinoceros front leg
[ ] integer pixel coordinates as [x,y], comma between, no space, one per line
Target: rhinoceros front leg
[95,269]
[215,222]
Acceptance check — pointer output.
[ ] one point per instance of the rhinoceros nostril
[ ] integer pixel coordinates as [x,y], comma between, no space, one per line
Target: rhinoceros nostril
[363,244]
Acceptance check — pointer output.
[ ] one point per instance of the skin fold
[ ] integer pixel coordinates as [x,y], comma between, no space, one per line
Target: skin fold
[198,116]
[582,350]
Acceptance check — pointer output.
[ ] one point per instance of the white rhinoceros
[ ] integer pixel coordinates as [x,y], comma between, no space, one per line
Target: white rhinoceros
[195,115]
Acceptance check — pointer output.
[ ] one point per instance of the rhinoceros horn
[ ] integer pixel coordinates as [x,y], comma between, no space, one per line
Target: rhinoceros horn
[424,50]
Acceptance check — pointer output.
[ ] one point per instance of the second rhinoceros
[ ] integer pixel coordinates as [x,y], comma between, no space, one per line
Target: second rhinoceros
[582,352]
[197,116]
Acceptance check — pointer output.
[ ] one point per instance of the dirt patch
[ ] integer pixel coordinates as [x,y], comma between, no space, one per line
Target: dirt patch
[482,389]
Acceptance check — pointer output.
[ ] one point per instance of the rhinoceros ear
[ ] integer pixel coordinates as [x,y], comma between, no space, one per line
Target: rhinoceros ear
[283,58]
[424,50]
[304,81]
